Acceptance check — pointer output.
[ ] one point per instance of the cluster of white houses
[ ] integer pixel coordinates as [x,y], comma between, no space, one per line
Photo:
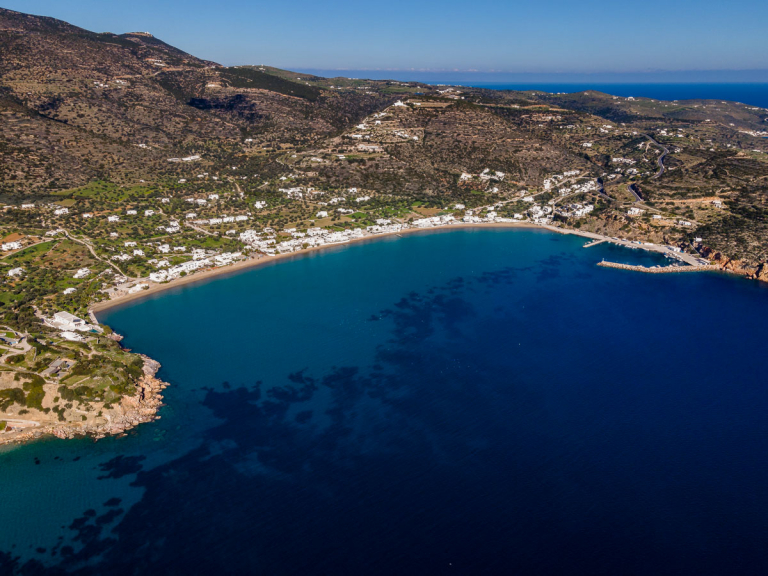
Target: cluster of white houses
[184,268]
[557,178]
[267,242]
[575,210]
[540,214]
[589,186]
[219,220]
[313,237]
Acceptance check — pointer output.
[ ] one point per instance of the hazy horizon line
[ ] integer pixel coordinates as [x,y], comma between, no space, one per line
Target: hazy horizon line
[755,75]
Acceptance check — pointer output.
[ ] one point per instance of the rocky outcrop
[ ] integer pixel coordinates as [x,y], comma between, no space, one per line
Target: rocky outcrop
[752,271]
[133,410]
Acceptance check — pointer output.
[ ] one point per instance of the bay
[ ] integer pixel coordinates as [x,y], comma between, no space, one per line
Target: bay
[473,401]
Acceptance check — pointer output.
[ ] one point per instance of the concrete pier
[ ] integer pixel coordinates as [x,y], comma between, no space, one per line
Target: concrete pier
[595,243]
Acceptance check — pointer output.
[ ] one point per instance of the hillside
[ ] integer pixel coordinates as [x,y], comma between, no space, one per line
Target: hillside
[85,101]
[80,106]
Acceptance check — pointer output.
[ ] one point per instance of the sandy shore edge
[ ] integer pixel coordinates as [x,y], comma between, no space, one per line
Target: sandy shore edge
[143,407]
[264,260]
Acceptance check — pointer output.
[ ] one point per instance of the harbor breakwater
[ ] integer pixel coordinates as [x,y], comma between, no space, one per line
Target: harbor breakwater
[659,269]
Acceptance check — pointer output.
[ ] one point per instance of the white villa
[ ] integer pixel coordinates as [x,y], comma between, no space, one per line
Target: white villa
[67,321]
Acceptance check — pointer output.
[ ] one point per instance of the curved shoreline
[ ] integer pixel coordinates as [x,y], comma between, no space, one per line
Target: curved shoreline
[263,260]
[143,407]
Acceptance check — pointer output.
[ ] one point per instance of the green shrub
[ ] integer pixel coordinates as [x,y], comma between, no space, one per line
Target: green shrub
[11,396]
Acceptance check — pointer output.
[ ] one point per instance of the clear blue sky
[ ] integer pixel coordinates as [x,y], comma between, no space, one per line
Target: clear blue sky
[544,36]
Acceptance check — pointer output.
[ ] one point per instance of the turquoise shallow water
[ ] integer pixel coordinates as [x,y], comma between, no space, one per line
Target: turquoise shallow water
[486,400]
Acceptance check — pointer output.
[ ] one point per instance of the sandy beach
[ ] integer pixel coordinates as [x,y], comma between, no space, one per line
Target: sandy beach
[262,260]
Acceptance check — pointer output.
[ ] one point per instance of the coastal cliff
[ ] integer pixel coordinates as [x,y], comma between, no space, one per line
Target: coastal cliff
[747,269]
[751,271]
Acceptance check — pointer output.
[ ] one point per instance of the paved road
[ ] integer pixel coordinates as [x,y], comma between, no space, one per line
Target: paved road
[632,190]
[198,229]
[22,423]
[25,247]
[601,190]
[661,158]
[93,252]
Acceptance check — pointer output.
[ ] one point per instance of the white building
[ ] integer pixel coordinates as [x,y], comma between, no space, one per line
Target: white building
[68,321]
[11,246]
[15,272]
[72,336]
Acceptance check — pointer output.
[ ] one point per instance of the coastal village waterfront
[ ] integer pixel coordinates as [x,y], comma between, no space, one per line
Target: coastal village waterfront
[266,250]
[100,412]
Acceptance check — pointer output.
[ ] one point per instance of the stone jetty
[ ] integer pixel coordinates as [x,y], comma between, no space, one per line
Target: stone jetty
[658,269]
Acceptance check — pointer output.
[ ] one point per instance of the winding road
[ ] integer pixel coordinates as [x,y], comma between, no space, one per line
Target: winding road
[660,161]
[93,252]
[632,190]
[601,190]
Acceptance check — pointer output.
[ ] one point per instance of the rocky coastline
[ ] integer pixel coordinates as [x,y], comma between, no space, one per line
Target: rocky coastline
[745,269]
[133,410]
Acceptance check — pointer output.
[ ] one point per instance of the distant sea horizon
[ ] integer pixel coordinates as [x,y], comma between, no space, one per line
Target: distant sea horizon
[754,94]
[751,89]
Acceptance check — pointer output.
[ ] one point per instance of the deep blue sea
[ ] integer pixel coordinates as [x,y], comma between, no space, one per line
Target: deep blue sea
[754,94]
[746,87]
[481,401]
